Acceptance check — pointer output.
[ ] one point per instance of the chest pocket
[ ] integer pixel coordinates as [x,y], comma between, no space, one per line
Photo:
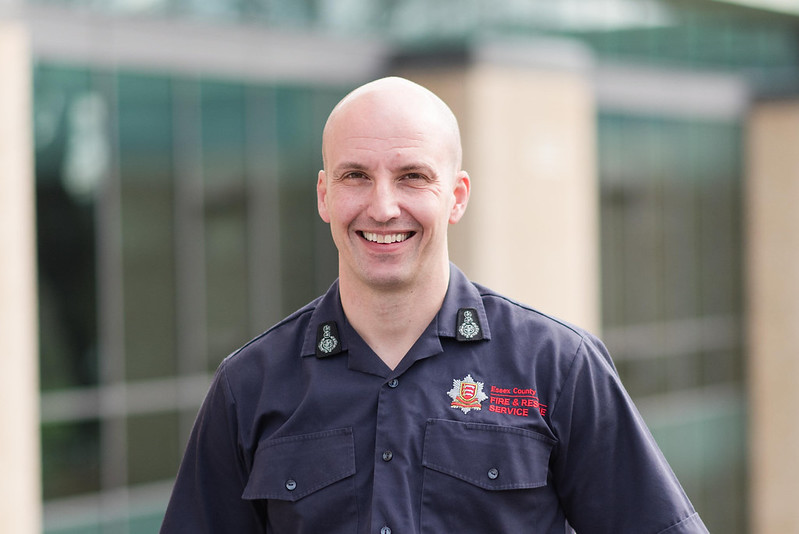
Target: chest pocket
[488,476]
[305,483]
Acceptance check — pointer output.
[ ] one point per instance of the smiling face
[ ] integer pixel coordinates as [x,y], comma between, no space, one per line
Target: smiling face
[391,185]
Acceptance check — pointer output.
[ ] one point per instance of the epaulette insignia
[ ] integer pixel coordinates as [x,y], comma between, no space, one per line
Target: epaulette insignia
[468,328]
[327,342]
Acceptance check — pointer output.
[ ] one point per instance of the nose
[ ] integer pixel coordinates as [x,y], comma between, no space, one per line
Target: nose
[383,203]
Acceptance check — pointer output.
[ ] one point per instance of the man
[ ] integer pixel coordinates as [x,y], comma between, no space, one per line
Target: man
[408,399]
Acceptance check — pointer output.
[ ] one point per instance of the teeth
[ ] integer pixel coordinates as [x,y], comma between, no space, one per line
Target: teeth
[385,238]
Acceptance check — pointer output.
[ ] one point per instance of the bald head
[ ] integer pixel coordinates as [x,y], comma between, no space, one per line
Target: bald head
[391,186]
[395,101]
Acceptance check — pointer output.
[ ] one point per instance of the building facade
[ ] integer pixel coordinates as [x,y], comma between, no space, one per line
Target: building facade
[620,163]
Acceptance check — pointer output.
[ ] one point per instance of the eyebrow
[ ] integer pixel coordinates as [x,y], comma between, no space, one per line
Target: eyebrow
[426,169]
[350,165]
[347,166]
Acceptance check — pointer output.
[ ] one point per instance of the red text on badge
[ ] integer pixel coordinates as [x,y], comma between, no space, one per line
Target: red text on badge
[515,401]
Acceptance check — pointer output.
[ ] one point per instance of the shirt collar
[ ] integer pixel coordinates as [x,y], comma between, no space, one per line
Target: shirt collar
[328,310]
[461,296]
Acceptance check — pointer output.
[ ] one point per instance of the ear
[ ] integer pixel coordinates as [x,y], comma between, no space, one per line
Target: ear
[321,197]
[461,195]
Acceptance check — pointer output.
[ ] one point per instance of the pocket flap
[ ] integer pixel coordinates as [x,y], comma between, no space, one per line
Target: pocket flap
[293,467]
[492,457]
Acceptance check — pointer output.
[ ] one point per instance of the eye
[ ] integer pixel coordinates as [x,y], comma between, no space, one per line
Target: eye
[354,175]
[415,176]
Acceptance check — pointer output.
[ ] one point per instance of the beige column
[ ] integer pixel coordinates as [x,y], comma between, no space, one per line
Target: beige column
[20,509]
[528,123]
[772,255]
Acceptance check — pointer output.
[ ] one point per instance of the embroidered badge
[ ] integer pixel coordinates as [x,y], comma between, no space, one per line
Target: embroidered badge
[468,325]
[521,402]
[327,342]
[467,394]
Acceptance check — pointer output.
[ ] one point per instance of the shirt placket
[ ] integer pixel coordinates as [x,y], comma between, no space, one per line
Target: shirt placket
[402,410]
[391,464]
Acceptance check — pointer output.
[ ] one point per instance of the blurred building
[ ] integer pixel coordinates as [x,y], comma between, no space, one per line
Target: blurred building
[633,171]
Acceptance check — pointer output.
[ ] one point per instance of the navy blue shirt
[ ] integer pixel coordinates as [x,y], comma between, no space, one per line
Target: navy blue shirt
[499,419]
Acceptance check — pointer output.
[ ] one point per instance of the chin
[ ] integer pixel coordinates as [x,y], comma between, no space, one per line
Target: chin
[388,279]
[388,282]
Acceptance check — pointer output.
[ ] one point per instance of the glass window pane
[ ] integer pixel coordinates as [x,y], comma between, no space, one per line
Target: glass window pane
[671,217]
[69,124]
[308,248]
[147,218]
[226,201]
[70,458]
[153,447]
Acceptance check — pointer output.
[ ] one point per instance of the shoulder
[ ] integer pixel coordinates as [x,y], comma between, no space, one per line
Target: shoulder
[284,340]
[506,310]
[511,319]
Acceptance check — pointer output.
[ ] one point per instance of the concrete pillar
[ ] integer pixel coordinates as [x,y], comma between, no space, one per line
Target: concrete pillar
[528,123]
[20,493]
[772,256]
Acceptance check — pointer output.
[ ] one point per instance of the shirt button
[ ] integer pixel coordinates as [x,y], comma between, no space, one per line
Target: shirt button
[387,456]
[291,485]
[493,473]
[393,383]
[385,530]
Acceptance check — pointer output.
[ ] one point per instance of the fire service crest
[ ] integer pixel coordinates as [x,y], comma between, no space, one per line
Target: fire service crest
[467,394]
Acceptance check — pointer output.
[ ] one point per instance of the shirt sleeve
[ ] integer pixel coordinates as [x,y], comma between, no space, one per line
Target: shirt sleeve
[207,494]
[609,473]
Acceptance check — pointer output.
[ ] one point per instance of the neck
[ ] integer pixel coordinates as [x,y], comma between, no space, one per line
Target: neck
[391,319]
